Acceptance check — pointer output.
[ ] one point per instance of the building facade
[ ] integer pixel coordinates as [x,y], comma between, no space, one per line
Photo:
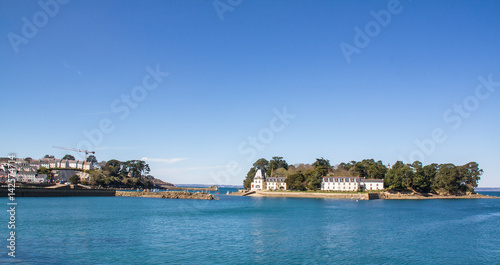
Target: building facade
[261,183]
[342,183]
[26,171]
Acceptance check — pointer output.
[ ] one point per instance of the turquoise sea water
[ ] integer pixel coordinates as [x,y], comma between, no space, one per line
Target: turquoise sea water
[246,230]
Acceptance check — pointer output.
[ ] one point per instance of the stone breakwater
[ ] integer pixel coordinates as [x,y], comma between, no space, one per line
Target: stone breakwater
[168,195]
[63,192]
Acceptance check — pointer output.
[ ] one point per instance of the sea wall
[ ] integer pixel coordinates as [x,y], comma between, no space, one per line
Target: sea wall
[43,192]
[331,195]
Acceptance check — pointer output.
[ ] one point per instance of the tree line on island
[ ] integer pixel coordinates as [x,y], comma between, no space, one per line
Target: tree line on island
[434,178]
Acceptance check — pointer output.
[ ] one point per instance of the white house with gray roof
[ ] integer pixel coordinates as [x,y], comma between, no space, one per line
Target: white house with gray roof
[343,183]
[260,182]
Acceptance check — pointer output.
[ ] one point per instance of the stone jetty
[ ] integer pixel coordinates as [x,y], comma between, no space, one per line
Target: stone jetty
[168,195]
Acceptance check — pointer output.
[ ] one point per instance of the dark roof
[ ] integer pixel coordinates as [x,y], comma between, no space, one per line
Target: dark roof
[373,180]
[276,179]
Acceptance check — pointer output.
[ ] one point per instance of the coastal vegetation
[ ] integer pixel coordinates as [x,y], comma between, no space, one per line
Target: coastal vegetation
[75,179]
[434,178]
[122,174]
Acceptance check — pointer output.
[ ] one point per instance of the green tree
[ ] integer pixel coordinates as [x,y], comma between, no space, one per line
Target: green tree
[136,168]
[423,176]
[469,176]
[46,171]
[75,179]
[275,163]
[369,169]
[296,181]
[112,168]
[313,181]
[399,177]
[48,156]
[249,178]
[262,163]
[322,166]
[345,166]
[68,157]
[92,159]
[97,177]
[280,172]
[448,178]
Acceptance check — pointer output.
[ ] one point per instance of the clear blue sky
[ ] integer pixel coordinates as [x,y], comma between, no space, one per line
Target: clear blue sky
[226,76]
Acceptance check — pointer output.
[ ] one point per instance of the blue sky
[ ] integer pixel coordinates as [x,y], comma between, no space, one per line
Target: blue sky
[231,70]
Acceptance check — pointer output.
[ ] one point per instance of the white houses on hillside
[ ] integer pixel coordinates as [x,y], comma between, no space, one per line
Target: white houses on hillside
[351,184]
[260,182]
[26,170]
[61,163]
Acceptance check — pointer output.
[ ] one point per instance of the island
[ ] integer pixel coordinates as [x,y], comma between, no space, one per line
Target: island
[362,180]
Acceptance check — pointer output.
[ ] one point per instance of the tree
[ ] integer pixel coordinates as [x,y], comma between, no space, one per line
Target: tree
[469,176]
[97,177]
[75,179]
[423,177]
[112,168]
[369,169]
[296,181]
[448,178]
[322,166]
[314,181]
[345,166]
[68,157]
[48,156]
[275,163]
[399,177]
[261,164]
[280,173]
[92,159]
[248,180]
[28,159]
[46,171]
[136,168]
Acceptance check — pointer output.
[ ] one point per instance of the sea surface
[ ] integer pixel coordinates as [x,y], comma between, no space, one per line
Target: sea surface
[249,230]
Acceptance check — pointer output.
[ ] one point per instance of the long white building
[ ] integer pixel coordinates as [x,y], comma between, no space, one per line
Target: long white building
[342,183]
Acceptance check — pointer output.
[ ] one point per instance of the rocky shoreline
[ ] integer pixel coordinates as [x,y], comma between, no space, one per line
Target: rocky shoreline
[360,196]
[427,196]
[168,195]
